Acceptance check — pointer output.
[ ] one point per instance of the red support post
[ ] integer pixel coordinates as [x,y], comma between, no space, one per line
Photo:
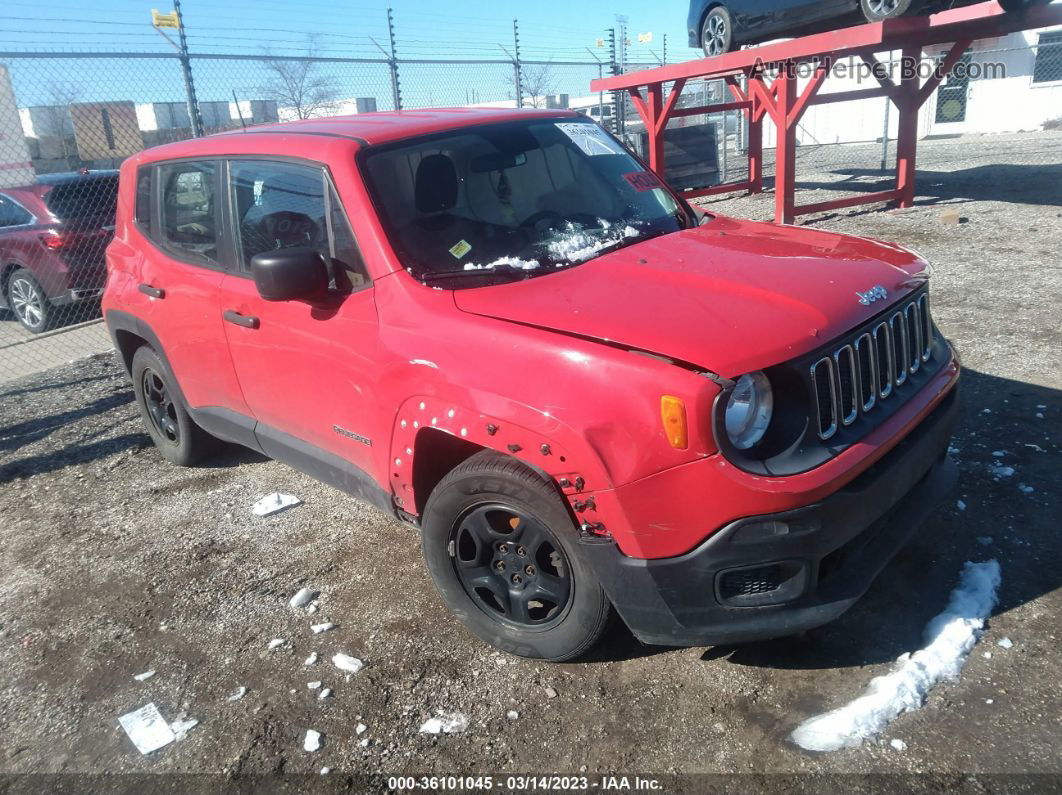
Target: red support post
[907,104]
[785,149]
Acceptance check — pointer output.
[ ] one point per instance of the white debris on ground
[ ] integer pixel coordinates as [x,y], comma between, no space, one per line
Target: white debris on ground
[312,742]
[303,597]
[512,714]
[950,637]
[323,627]
[311,660]
[987,655]
[1005,643]
[898,744]
[960,505]
[1025,489]
[999,453]
[144,676]
[344,662]
[276,643]
[238,694]
[325,771]
[313,685]
[445,723]
[182,727]
[325,693]
[147,728]
[999,471]
[985,541]
[274,503]
[361,728]
[365,741]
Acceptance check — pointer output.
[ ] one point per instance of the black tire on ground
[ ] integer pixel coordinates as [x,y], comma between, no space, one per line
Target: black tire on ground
[717,32]
[1020,6]
[878,10]
[27,300]
[173,431]
[545,603]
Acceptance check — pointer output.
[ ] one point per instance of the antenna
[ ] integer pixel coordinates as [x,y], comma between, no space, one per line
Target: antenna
[238,111]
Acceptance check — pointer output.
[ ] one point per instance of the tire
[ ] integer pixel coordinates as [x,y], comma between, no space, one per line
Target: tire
[166,419]
[717,32]
[28,302]
[878,10]
[546,603]
[1020,6]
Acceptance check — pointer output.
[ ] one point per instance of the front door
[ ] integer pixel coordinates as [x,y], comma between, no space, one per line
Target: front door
[307,368]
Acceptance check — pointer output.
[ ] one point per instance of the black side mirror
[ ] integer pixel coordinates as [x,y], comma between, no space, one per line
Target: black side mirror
[290,273]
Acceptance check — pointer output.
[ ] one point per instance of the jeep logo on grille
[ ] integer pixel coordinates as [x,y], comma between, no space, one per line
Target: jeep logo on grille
[875,293]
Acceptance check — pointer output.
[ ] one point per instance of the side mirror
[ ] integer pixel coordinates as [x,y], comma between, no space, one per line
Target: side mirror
[290,273]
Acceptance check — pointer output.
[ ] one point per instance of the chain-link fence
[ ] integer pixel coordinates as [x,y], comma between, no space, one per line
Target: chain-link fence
[67,120]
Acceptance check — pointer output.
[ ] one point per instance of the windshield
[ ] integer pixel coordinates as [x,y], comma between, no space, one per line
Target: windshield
[95,196]
[515,199]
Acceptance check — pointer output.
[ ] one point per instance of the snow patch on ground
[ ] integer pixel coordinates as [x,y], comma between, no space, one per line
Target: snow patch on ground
[274,503]
[950,636]
[445,723]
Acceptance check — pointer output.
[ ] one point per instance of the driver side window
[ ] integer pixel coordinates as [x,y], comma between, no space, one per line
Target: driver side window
[285,205]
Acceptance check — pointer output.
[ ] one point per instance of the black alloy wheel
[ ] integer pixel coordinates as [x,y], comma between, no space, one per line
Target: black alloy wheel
[511,566]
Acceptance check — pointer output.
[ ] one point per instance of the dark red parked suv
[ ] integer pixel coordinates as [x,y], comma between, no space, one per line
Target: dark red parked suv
[53,235]
[501,328]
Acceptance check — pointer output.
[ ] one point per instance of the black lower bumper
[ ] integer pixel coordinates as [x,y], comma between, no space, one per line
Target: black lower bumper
[776,575]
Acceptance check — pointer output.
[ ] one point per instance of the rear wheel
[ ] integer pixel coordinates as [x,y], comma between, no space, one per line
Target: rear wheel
[717,33]
[168,423]
[878,10]
[27,300]
[500,546]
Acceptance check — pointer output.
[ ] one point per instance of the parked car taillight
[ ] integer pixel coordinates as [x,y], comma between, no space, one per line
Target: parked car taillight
[52,240]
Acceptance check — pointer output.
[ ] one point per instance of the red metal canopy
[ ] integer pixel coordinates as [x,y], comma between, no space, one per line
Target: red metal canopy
[779,97]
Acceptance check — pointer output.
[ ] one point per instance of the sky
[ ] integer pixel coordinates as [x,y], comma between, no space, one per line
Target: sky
[551,31]
[458,28]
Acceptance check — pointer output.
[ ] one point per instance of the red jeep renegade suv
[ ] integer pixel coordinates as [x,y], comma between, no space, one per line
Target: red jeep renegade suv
[499,327]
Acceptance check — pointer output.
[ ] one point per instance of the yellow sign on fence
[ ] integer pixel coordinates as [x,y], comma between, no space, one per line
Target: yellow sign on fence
[160,20]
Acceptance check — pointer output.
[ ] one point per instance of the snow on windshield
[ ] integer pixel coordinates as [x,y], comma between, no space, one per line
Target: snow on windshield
[572,244]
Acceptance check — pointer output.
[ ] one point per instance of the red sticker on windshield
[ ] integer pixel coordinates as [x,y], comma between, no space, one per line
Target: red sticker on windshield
[642,181]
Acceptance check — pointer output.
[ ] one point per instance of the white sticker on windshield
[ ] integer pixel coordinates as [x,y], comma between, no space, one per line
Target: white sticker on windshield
[590,138]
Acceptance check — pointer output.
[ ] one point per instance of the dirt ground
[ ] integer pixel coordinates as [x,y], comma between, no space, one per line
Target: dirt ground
[113,562]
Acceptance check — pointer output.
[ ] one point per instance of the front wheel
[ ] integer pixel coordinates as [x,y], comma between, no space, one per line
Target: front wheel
[878,10]
[500,546]
[717,33]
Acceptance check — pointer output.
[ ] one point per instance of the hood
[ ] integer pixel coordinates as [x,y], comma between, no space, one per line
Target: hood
[730,296]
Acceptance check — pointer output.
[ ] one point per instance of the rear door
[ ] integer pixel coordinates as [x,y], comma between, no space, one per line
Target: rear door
[307,368]
[180,281]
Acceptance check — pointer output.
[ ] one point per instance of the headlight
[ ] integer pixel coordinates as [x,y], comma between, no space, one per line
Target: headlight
[748,412]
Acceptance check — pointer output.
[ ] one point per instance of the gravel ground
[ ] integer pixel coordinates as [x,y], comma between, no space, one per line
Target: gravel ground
[113,562]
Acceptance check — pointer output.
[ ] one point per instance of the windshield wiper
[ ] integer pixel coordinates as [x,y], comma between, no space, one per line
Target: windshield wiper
[626,241]
[500,270]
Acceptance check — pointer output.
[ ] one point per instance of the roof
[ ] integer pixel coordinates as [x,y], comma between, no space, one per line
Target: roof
[374,128]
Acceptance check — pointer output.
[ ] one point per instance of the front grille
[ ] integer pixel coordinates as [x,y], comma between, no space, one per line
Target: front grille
[871,366]
[750,582]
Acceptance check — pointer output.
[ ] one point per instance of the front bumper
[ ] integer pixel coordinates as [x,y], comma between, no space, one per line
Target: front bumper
[779,574]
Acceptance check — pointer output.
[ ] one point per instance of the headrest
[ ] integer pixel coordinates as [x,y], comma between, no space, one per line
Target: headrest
[436,184]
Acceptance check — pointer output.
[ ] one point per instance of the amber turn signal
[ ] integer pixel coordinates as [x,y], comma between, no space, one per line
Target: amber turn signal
[673,415]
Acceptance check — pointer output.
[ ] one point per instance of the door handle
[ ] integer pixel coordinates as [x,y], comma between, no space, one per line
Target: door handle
[247,321]
[154,292]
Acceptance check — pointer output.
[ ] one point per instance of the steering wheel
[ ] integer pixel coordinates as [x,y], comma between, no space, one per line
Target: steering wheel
[534,220]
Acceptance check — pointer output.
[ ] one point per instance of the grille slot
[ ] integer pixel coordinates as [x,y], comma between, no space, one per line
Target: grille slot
[750,582]
[868,368]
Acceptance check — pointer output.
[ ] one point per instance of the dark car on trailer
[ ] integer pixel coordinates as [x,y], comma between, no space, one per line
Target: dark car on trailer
[718,26]
[53,235]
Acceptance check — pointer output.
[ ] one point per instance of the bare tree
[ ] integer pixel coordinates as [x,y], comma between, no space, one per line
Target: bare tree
[297,86]
[536,83]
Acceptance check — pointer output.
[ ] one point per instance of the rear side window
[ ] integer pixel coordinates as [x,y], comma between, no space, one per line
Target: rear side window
[90,197]
[188,224]
[143,197]
[12,213]
[284,205]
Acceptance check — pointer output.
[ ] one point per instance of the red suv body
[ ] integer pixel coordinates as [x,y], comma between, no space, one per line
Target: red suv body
[53,235]
[500,327]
